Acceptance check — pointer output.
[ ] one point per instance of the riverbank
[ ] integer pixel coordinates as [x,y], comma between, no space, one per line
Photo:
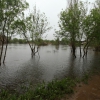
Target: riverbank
[86,89]
[89,91]
[50,91]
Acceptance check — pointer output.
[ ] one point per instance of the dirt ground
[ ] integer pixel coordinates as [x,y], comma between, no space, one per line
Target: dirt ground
[90,91]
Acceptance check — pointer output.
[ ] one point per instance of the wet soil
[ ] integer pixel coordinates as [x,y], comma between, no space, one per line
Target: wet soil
[90,91]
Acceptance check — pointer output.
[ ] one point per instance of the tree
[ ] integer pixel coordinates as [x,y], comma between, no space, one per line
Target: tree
[92,28]
[64,41]
[71,23]
[32,29]
[88,29]
[10,11]
[95,14]
[83,8]
[37,25]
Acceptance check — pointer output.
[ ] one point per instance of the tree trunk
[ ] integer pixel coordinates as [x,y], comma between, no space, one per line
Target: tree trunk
[80,50]
[1,51]
[5,49]
[28,43]
[73,50]
[85,49]
[3,39]
[5,53]
[33,52]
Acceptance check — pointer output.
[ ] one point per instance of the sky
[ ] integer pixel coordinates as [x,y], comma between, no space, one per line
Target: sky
[52,9]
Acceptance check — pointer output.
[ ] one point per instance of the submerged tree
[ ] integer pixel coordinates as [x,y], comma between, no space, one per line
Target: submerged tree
[95,14]
[92,28]
[37,25]
[71,21]
[10,11]
[32,29]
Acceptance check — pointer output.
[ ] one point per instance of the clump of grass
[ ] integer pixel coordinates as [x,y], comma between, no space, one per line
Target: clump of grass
[85,78]
[55,89]
[51,91]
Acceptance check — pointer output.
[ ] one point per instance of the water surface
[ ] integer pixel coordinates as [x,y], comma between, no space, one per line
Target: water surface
[53,62]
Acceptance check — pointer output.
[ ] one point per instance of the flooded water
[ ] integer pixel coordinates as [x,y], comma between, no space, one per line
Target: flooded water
[53,63]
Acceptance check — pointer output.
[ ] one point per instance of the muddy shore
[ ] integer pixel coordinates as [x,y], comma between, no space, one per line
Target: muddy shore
[90,91]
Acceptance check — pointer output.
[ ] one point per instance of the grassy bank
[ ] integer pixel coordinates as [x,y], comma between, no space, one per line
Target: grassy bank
[51,91]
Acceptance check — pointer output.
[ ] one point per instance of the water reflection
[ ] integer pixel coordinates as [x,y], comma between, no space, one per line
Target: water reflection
[53,63]
[57,47]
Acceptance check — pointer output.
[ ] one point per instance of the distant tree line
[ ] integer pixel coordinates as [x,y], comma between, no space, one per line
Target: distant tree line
[41,42]
[20,41]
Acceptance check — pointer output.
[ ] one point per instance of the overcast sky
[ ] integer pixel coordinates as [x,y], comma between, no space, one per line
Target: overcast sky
[51,8]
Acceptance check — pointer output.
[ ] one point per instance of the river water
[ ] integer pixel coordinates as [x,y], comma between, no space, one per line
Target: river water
[53,62]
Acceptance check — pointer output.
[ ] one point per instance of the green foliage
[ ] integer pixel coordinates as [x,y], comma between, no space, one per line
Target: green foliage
[91,26]
[85,78]
[55,89]
[40,42]
[36,25]
[71,24]
[65,41]
[20,41]
[77,24]
[10,11]
[32,29]
[71,21]
[52,90]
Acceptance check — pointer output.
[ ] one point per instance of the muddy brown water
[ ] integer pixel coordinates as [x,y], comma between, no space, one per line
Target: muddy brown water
[55,62]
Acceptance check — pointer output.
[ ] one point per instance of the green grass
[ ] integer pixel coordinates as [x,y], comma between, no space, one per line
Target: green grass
[51,91]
